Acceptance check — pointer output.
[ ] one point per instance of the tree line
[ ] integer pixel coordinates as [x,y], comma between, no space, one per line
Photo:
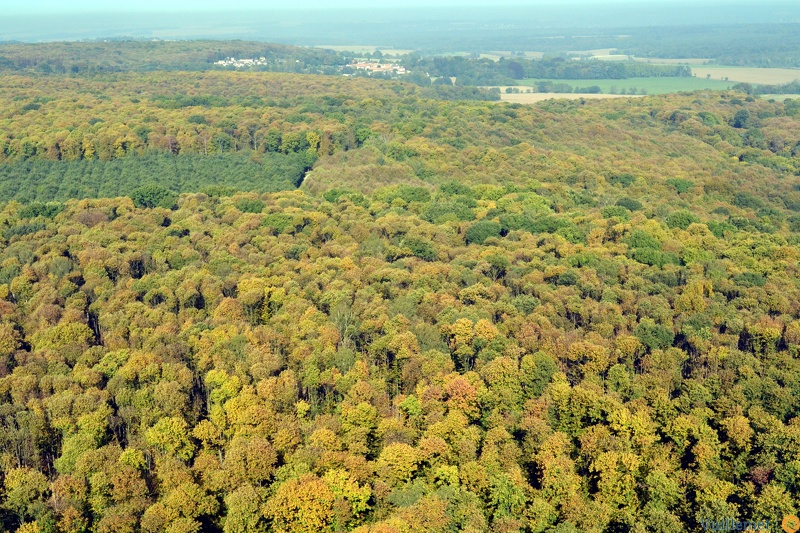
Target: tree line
[485,71]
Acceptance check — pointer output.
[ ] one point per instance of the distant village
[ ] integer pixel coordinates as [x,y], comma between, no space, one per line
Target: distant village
[241,63]
[371,67]
[374,66]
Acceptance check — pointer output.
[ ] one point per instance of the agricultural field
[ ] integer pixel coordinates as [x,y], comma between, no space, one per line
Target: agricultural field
[497,54]
[771,76]
[674,61]
[702,67]
[646,85]
[611,57]
[780,97]
[597,52]
[533,98]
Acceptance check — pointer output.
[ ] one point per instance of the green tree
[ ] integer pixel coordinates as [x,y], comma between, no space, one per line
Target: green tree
[171,436]
[481,230]
[150,196]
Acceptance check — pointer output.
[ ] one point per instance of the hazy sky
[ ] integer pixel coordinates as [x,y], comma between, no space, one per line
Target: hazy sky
[19,7]
[385,22]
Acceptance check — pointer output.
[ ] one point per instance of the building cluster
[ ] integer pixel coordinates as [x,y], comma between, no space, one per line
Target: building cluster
[241,63]
[374,66]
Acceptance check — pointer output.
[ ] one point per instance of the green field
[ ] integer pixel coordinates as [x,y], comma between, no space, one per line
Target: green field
[649,85]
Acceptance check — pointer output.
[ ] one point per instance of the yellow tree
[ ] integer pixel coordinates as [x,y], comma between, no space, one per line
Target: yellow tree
[301,505]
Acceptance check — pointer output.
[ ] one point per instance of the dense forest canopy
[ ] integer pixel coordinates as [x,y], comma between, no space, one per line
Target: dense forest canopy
[752,45]
[242,302]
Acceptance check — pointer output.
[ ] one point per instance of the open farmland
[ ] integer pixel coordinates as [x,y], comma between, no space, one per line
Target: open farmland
[611,57]
[674,61]
[496,55]
[532,98]
[597,52]
[702,68]
[648,85]
[771,76]
[780,97]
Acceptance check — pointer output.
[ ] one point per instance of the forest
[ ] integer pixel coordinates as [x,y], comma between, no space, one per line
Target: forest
[241,301]
[103,56]
[100,57]
[752,45]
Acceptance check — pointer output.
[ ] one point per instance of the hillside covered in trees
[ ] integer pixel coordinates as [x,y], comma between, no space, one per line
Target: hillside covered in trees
[93,57]
[246,302]
[104,57]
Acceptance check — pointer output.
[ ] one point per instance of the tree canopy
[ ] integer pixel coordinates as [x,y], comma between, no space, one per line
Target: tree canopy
[361,306]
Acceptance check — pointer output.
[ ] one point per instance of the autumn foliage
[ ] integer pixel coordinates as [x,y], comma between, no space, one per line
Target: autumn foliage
[470,316]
